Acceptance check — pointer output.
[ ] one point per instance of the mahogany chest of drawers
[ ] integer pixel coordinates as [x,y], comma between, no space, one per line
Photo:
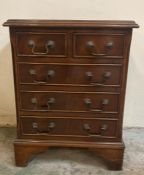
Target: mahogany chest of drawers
[70,80]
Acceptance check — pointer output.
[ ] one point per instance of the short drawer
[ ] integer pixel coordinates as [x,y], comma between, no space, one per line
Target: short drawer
[62,127]
[78,75]
[98,45]
[41,44]
[69,102]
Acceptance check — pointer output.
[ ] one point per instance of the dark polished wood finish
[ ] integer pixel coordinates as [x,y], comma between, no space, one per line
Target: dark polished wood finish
[70,80]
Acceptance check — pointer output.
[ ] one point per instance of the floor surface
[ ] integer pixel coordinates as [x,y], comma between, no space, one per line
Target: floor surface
[72,161]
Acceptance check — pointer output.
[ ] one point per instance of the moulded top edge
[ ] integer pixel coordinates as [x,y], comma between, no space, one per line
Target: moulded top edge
[71,23]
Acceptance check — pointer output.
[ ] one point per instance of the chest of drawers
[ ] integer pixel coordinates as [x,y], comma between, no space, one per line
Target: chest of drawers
[70,80]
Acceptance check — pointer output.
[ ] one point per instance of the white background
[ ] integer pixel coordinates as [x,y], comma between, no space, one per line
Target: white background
[76,9]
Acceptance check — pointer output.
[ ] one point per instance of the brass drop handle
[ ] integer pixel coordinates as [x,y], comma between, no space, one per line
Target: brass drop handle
[105,101]
[105,77]
[102,128]
[92,48]
[89,75]
[34,125]
[50,126]
[87,127]
[88,103]
[32,72]
[48,45]
[34,101]
[50,102]
[50,74]
[109,45]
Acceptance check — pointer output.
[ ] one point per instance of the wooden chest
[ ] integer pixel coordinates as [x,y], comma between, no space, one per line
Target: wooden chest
[70,80]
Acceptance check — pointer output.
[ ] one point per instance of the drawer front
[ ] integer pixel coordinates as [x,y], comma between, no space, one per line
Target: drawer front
[41,44]
[87,75]
[98,45]
[62,127]
[69,102]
